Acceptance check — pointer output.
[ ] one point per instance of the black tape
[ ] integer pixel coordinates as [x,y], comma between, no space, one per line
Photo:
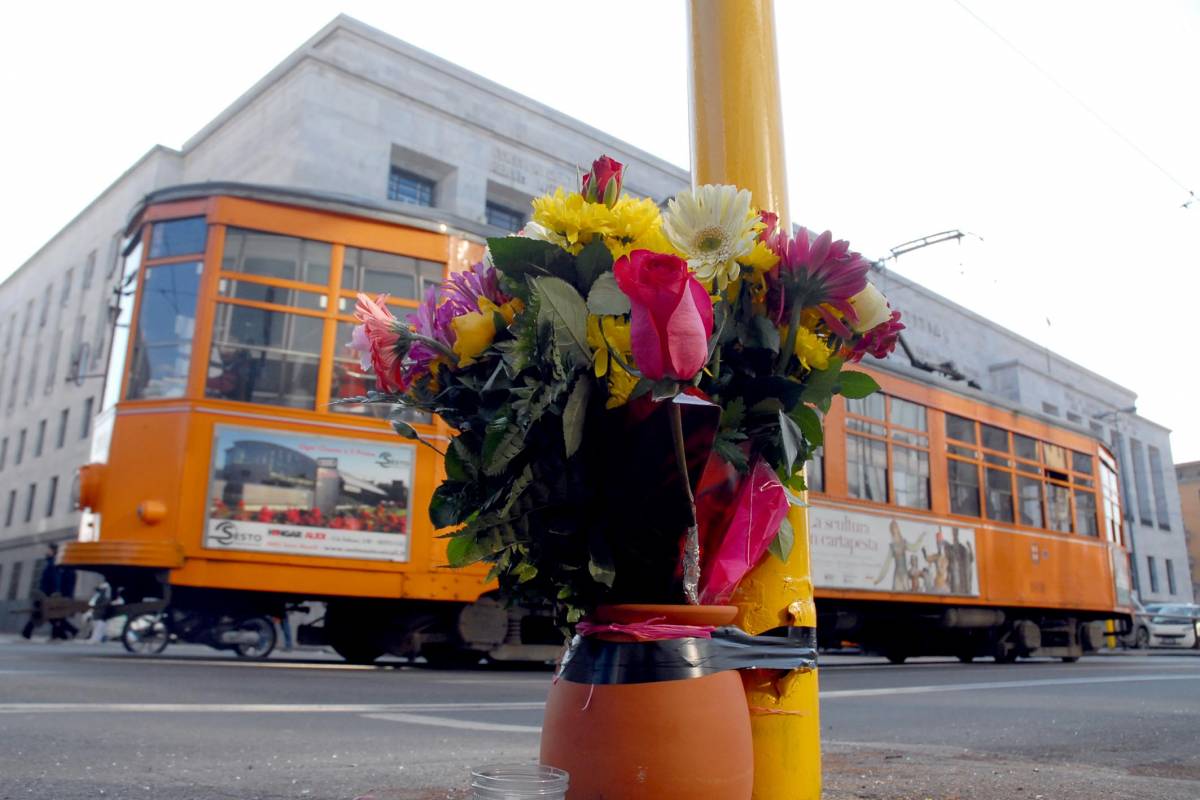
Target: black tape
[595,661]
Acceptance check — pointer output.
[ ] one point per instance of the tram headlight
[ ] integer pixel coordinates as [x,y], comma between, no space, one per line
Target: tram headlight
[151,512]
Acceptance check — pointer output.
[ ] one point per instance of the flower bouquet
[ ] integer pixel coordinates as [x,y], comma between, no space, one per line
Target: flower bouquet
[634,392]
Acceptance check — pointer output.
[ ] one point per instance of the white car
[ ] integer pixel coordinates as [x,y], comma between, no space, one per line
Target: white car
[1174,626]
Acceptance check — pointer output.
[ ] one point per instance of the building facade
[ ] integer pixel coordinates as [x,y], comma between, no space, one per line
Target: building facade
[1188,477]
[361,113]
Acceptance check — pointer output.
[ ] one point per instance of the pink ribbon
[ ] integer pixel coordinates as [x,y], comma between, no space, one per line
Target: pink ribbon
[650,630]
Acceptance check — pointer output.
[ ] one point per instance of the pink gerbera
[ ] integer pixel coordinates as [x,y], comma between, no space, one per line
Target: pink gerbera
[814,272]
[879,341]
[377,340]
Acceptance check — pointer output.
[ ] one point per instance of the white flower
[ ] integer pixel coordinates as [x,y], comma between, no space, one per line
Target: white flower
[871,307]
[533,230]
[713,227]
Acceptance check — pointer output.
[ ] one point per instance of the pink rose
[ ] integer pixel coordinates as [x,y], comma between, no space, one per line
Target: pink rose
[672,315]
[603,183]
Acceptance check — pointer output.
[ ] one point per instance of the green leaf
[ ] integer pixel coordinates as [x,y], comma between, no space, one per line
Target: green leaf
[462,550]
[781,545]
[764,334]
[503,441]
[810,423]
[606,298]
[563,308]
[592,263]
[664,389]
[516,257]
[792,439]
[459,462]
[856,385]
[733,454]
[404,429]
[447,507]
[576,412]
[525,572]
[819,385]
[600,560]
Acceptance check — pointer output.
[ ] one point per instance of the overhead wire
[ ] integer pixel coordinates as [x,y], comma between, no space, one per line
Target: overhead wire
[1193,199]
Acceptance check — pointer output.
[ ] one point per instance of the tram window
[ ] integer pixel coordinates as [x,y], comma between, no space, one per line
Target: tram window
[261,356]
[273,256]
[165,328]
[1058,508]
[269,293]
[910,477]
[999,495]
[964,488]
[125,291]
[1056,457]
[872,407]
[961,429]
[1081,462]
[374,272]
[994,438]
[1085,512]
[866,468]
[1025,447]
[178,237]
[1030,490]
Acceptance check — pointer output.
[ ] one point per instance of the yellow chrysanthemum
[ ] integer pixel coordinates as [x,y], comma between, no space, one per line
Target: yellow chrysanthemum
[572,218]
[760,258]
[713,226]
[615,335]
[812,351]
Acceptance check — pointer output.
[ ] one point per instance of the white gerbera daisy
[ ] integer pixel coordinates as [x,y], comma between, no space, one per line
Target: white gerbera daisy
[713,227]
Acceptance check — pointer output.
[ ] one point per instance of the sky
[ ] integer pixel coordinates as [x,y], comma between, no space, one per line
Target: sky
[901,120]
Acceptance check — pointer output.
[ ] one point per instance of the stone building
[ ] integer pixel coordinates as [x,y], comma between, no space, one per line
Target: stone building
[1188,476]
[358,112]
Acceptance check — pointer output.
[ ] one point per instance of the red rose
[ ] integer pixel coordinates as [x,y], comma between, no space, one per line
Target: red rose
[603,183]
[672,315]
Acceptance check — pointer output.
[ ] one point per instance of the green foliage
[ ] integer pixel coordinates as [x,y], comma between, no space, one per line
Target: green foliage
[605,298]
[856,385]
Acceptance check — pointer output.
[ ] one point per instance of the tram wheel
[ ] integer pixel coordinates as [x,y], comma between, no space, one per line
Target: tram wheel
[264,629]
[1070,659]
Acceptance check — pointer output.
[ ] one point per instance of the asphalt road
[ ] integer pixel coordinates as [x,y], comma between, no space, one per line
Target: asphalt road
[79,721]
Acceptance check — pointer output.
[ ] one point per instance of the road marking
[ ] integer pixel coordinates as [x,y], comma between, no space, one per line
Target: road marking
[258,708]
[970,687]
[461,724]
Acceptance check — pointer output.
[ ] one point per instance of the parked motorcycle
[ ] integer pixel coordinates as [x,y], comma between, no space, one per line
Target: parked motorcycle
[149,634]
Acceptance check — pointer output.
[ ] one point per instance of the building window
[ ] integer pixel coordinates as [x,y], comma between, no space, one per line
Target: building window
[20,447]
[86,426]
[52,370]
[814,471]
[1160,488]
[62,427]
[1170,569]
[1050,408]
[45,312]
[29,501]
[68,279]
[887,451]
[40,443]
[1152,569]
[51,495]
[12,507]
[89,269]
[1073,417]
[1139,479]
[3,452]
[408,187]
[504,217]
[14,581]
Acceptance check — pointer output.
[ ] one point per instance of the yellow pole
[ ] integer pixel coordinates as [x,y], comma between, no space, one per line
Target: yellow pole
[737,137]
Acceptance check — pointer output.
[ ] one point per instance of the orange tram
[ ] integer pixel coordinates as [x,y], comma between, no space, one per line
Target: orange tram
[225,482]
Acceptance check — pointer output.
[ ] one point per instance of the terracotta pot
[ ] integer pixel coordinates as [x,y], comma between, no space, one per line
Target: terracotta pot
[657,740]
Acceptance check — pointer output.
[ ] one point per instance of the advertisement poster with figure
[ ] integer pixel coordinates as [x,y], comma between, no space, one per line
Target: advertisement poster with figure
[302,494]
[853,550]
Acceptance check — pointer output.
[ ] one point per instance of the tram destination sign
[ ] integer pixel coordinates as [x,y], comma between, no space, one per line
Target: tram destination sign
[881,552]
[303,494]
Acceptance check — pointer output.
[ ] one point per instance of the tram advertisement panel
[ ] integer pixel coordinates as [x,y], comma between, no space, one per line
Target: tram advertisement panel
[853,550]
[304,494]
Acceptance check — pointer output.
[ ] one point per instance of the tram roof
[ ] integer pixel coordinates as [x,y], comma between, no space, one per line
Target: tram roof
[436,220]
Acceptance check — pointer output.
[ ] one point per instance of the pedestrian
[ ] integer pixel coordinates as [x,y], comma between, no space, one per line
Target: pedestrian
[285,627]
[101,602]
[47,586]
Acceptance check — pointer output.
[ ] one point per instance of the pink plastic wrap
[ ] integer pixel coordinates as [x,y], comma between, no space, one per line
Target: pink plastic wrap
[652,630]
[758,510]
